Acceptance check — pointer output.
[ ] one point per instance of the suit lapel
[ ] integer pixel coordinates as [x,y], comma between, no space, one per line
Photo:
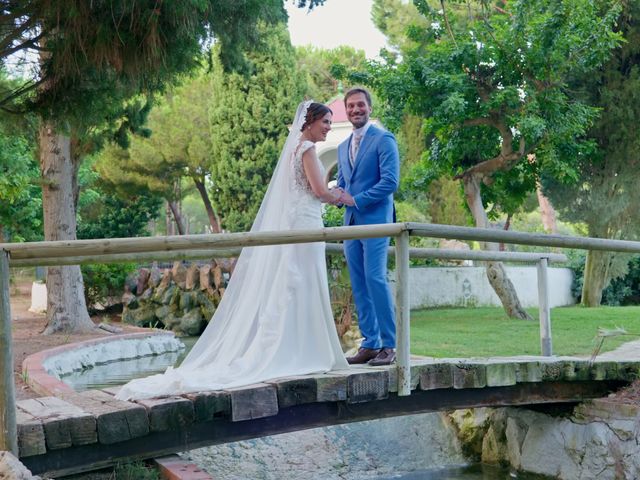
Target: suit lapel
[344,155]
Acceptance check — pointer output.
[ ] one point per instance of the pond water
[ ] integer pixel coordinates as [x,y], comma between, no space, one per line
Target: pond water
[118,373]
[470,472]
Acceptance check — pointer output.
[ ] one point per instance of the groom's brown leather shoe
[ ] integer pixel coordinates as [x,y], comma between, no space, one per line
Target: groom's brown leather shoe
[363,355]
[386,357]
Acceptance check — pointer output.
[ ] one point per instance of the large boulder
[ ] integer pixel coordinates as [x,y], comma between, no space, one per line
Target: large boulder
[12,469]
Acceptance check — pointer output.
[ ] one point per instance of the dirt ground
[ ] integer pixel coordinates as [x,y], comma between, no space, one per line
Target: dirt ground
[27,334]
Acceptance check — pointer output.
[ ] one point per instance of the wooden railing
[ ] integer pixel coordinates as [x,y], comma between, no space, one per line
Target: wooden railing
[206,246]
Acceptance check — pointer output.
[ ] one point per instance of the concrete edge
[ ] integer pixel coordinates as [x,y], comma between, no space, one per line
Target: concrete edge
[173,467]
[44,383]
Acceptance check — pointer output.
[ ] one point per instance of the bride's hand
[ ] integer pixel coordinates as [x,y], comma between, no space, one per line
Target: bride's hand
[336,194]
[346,199]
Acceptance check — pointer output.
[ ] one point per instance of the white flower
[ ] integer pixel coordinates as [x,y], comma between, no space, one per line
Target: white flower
[436,26]
[522,94]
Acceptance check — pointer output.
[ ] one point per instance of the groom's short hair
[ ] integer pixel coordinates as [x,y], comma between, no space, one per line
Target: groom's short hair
[355,90]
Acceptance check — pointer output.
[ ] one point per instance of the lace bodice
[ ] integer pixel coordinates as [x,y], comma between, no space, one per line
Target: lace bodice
[300,181]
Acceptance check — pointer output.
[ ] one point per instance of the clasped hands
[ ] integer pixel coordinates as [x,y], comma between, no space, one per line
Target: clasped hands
[341,197]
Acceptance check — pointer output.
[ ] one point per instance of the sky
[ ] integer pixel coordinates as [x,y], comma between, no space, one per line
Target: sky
[337,22]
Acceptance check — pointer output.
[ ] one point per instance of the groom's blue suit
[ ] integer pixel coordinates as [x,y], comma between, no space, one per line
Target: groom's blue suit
[371,181]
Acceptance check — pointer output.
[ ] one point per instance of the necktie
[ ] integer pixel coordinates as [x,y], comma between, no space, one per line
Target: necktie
[355,144]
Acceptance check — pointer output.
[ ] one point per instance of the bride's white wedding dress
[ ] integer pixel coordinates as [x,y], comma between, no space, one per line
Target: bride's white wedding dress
[275,319]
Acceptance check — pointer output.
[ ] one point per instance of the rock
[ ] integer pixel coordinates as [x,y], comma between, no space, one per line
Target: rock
[146,295]
[129,299]
[192,323]
[179,274]
[192,279]
[141,317]
[141,281]
[162,312]
[188,301]
[218,277]
[164,297]
[12,469]
[155,275]
[205,277]
[207,306]
[165,281]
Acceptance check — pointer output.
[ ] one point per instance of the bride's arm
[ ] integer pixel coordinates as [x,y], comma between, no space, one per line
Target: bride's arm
[316,179]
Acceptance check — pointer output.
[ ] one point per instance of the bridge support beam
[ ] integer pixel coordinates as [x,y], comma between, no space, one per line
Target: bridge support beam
[402,314]
[8,427]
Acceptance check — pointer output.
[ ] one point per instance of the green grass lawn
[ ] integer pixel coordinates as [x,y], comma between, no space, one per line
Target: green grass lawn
[483,332]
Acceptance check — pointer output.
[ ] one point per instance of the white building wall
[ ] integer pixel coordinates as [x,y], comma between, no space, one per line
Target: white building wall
[468,286]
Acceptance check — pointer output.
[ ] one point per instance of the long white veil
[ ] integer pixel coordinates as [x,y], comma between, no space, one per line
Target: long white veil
[252,276]
[275,317]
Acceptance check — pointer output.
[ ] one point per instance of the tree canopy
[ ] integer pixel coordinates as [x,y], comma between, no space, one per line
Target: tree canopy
[605,196]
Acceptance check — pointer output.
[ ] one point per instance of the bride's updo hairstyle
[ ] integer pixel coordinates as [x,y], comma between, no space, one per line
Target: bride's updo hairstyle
[314,112]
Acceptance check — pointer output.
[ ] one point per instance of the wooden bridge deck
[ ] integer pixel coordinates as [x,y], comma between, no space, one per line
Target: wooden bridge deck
[76,432]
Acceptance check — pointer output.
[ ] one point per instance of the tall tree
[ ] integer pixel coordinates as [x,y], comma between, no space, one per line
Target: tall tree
[248,118]
[91,56]
[491,79]
[316,65]
[606,197]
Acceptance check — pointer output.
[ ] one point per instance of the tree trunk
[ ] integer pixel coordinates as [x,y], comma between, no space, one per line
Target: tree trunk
[496,273]
[176,216]
[66,307]
[596,277]
[213,219]
[547,212]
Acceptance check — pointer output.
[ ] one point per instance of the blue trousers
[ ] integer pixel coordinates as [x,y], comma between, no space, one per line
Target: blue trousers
[367,263]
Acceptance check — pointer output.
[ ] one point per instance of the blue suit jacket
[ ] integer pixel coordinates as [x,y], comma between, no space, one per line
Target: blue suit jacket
[373,179]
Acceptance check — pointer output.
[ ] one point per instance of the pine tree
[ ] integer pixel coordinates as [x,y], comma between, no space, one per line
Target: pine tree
[89,57]
[249,118]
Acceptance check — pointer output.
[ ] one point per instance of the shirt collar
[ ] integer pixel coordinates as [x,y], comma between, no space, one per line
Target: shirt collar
[362,130]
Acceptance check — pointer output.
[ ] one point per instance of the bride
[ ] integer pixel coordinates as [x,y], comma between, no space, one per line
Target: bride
[275,318]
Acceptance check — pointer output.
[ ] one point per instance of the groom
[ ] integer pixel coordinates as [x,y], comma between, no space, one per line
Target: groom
[368,169]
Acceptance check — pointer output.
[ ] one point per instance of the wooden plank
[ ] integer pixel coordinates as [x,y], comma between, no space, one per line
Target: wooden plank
[628,371]
[64,424]
[604,371]
[367,385]
[417,369]
[295,390]
[331,387]
[208,405]
[116,420]
[169,413]
[435,376]
[62,248]
[403,360]
[253,401]
[544,310]
[551,371]
[469,375]
[31,439]
[8,427]
[501,374]
[528,372]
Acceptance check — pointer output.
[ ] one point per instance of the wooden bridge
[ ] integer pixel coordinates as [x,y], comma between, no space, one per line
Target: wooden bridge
[75,432]
[72,431]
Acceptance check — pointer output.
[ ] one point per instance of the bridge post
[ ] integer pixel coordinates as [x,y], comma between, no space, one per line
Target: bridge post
[544,310]
[402,314]
[8,428]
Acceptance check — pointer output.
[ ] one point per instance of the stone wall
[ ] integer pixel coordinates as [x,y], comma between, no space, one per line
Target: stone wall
[599,440]
[468,287]
[181,298]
